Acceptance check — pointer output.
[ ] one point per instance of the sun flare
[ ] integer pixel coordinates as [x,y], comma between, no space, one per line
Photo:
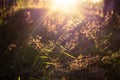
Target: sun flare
[64,4]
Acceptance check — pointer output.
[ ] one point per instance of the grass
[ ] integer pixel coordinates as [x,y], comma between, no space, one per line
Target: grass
[40,44]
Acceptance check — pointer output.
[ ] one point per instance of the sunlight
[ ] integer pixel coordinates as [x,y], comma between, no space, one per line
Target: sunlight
[96,1]
[64,5]
[92,1]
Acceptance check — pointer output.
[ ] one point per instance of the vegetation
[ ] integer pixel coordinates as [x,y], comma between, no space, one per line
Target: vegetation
[40,42]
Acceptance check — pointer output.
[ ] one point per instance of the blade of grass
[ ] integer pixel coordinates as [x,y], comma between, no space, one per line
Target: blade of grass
[18,77]
[68,55]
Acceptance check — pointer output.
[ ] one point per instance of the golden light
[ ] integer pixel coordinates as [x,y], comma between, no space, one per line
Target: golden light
[64,5]
[92,1]
[96,1]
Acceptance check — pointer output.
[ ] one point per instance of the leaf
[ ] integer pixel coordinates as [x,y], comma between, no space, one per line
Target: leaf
[48,63]
[61,46]
[50,50]
[43,57]
[18,77]
[69,55]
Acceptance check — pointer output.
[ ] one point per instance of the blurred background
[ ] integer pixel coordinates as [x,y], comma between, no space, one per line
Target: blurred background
[59,39]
